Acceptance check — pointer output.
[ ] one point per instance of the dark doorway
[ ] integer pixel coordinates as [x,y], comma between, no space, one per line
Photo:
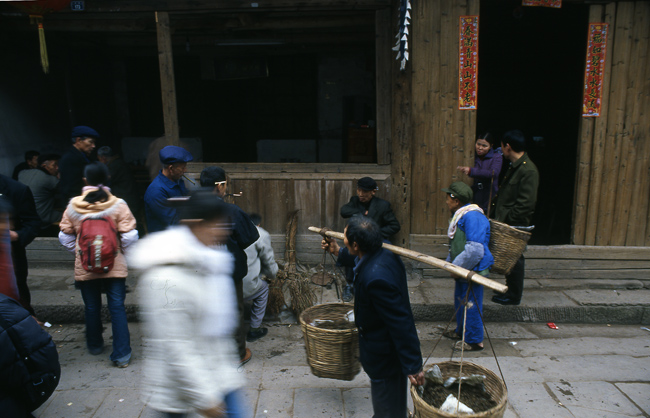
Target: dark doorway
[530,78]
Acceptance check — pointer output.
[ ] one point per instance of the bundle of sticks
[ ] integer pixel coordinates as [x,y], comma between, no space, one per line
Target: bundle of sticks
[291,275]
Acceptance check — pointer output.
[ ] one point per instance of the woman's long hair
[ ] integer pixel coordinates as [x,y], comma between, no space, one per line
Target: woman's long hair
[96,174]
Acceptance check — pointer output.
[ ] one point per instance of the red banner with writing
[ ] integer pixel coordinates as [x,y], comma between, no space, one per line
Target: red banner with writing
[543,3]
[594,69]
[468,62]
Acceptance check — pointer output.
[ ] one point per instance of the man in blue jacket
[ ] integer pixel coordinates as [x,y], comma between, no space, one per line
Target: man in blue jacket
[389,347]
[169,183]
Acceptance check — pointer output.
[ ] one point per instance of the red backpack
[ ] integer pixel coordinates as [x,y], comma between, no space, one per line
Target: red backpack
[98,244]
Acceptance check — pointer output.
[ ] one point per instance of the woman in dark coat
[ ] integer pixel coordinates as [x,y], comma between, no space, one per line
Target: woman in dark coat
[487,166]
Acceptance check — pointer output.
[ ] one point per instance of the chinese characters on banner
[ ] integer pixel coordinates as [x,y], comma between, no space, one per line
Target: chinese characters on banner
[468,62]
[542,3]
[594,70]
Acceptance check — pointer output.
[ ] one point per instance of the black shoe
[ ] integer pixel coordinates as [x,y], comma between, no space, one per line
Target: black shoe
[505,300]
[256,334]
[348,294]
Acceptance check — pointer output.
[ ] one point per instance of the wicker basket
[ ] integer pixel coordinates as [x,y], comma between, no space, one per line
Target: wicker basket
[493,385]
[506,245]
[331,353]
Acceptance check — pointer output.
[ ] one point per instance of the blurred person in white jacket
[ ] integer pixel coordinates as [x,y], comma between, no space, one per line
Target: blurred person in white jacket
[190,312]
[261,262]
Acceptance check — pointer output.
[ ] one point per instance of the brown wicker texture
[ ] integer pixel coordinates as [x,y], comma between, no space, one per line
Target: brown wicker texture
[331,353]
[506,245]
[493,385]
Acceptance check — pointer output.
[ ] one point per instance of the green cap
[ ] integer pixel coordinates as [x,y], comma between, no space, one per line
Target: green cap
[460,191]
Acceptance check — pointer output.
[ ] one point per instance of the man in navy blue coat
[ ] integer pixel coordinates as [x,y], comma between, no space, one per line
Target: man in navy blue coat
[389,347]
[169,183]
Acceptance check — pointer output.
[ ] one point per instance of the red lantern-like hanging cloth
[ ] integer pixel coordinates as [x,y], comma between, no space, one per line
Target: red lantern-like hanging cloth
[36,10]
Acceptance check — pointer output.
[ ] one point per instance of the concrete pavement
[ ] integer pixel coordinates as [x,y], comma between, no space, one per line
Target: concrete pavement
[591,367]
[562,301]
[578,371]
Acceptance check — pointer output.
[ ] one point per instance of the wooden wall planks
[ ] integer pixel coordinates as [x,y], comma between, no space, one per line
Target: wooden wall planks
[317,190]
[612,185]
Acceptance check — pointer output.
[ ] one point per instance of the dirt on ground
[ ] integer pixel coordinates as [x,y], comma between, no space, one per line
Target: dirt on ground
[472,396]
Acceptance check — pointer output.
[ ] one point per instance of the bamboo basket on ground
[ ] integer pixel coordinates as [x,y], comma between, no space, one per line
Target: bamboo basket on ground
[506,245]
[493,385]
[331,353]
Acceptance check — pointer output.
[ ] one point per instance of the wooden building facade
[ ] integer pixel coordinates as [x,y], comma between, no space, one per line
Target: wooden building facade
[420,134]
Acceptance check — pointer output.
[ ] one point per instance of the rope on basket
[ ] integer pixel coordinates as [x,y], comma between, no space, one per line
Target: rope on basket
[462,350]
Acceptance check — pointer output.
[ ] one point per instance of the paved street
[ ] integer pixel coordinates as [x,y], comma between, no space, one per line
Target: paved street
[585,371]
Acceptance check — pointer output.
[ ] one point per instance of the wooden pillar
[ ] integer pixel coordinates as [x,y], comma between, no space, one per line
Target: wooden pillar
[583,174]
[383,62]
[596,162]
[401,139]
[167,82]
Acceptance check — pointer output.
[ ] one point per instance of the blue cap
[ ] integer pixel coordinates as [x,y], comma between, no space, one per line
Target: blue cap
[172,154]
[84,131]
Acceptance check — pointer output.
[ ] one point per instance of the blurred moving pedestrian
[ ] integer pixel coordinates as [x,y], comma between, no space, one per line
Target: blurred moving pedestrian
[29,363]
[244,234]
[189,310]
[515,205]
[367,204]
[469,235]
[43,181]
[31,161]
[261,264]
[73,162]
[98,203]
[167,184]
[8,285]
[24,226]
[487,166]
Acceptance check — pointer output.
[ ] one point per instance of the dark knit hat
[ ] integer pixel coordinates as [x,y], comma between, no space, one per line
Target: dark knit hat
[367,184]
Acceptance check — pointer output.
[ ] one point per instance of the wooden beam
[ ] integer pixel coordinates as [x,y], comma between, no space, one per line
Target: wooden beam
[121,6]
[167,80]
[383,62]
[359,170]
[432,261]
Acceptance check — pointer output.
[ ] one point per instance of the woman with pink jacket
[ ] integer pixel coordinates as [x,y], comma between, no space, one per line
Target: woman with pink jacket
[96,201]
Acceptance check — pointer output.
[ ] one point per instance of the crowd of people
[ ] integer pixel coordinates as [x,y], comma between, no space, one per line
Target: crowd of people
[204,261]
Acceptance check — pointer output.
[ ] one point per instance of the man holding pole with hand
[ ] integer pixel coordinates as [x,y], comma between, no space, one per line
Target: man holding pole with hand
[388,342]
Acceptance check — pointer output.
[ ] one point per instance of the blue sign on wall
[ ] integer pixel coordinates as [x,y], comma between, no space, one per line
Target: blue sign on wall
[77,5]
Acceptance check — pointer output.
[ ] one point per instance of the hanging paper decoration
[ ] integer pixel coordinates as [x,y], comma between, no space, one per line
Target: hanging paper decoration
[556,4]
[468,62]
[594,69]
[402,45]
[36,9]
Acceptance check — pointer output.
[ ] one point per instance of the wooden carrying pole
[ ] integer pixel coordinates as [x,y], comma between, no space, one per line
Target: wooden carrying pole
[432,261]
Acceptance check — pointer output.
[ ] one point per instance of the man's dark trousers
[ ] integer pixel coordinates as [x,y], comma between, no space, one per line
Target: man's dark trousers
[389,396]
[515,280]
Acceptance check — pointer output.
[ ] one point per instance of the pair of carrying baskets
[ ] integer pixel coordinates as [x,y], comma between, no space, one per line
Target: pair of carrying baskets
[507,244]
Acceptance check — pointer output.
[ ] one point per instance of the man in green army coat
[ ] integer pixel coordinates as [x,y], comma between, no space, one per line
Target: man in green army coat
[515,204]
